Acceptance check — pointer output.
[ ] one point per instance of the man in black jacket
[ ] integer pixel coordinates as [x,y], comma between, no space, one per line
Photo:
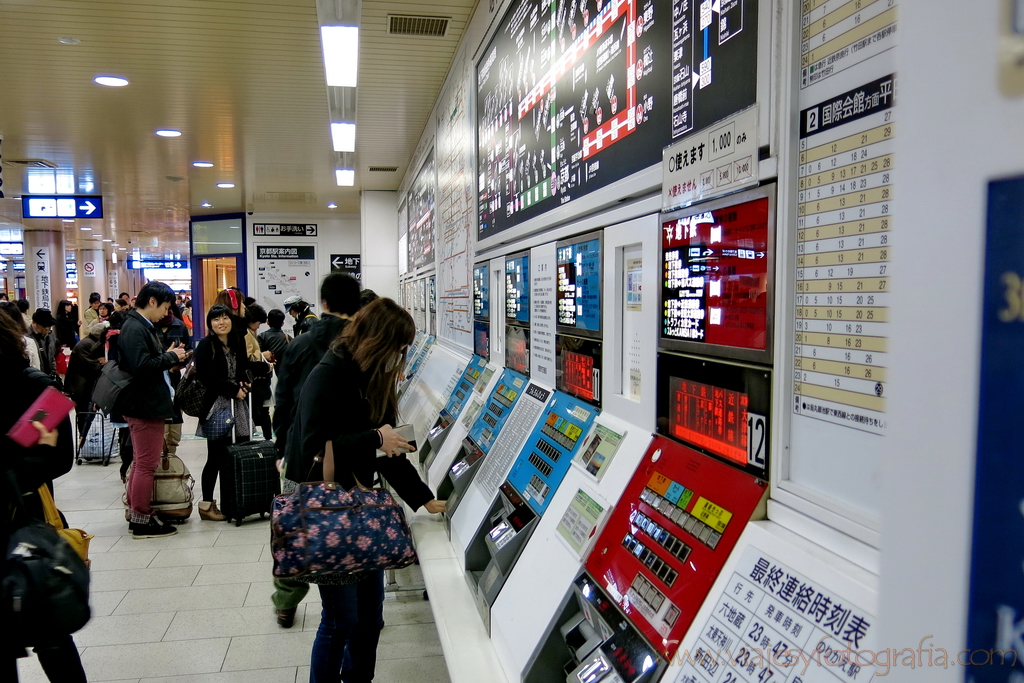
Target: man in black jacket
[146,402]
[339,294]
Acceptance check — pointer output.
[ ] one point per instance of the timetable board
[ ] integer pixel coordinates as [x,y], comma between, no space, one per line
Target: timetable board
[550,448]
[578,292]
[844,218]
[572,97]
[669,536]
[717,283]
[497,409]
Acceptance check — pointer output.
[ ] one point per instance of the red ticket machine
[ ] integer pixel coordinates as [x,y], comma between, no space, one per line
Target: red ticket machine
[670,535]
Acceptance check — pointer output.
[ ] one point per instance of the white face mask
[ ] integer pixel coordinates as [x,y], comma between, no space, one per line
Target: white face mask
[393,363]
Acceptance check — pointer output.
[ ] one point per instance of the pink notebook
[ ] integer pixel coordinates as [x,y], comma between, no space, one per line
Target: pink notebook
[50,408]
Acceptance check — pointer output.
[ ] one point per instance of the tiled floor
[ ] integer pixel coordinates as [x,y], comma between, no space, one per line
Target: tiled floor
[196,606]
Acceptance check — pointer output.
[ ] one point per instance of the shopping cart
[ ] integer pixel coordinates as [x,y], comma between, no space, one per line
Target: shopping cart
[97,438]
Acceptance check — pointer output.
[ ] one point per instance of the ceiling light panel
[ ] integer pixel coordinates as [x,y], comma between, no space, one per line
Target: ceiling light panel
[343,136]
[346,177]
[341,54]
[111,81]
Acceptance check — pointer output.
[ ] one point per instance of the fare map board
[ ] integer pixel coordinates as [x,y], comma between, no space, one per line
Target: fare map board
[579,285]
[844,217]
[573,96]
[715,276]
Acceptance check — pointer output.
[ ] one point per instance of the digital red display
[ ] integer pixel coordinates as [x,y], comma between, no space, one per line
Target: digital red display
[578,375]
[517,349]
[715,286]
[708,417]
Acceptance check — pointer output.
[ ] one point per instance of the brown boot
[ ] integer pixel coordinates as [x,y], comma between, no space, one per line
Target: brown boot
[208,510]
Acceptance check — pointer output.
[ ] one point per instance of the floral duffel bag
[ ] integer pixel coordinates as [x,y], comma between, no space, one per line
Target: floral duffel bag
[321,529]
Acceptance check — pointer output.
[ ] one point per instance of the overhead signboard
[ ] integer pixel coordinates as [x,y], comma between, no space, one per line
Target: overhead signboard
[61,206]
[284,229]
[350,264]
[137,264]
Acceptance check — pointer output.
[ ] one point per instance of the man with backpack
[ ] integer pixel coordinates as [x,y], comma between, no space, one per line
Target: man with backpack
[146,402]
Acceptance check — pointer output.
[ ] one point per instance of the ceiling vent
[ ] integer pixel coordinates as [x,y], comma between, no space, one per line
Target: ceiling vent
[411,25]
[286,197]
[382,169]
[32,163]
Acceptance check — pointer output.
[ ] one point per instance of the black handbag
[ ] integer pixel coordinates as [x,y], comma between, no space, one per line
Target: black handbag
[190,396]
[109,385]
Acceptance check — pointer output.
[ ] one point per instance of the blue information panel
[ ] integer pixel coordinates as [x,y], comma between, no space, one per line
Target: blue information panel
[996,609]
[545,458]
[499,405]
[579,285]
[135,264]
[517,289]
[457,401]
[481,294]
[61,206]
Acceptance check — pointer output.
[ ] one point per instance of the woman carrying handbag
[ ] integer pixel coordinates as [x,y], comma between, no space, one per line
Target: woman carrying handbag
[350,402]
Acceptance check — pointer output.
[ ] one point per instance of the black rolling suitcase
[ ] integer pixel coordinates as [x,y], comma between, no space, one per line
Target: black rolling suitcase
[249,480]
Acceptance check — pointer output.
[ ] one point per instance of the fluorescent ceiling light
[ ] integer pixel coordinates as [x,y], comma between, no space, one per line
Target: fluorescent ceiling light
[341,54]
[203,164]
[111,81]
[346,177]
[206,205]
[108,240]
[225,186]
[332,205]
[95,235]
[167,133]
[86,227]
[122,248]
[344,137]
[67,220]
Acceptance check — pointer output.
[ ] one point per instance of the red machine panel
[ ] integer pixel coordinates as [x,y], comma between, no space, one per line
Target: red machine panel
[669,536]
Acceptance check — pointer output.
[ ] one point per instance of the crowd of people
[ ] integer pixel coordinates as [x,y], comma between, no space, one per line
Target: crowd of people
[330,385]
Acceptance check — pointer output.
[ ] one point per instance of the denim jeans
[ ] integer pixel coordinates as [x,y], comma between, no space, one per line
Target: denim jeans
[345,648]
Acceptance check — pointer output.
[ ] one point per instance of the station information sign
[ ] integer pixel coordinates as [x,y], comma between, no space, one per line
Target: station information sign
[61,206]
[579,285]
[669,537]
[716,284]
[550,448]
[572,97]
[517,289]
[499,405]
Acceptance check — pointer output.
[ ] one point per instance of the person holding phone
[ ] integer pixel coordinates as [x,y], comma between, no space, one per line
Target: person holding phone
[350,400]
[222,368]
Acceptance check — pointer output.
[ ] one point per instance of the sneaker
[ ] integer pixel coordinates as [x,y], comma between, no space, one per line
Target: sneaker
[153,529]
[286,617]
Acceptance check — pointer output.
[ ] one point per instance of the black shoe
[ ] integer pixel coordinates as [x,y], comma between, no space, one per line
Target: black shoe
[153,529]
[286,617]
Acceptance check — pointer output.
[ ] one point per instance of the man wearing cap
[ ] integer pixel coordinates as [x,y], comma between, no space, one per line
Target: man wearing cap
[40,335]
[299,309]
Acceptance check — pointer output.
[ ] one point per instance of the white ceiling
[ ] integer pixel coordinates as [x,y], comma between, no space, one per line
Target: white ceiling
[242,80]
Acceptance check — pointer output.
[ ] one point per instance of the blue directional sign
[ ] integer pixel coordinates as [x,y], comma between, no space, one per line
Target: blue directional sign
[61,206]
[136,264]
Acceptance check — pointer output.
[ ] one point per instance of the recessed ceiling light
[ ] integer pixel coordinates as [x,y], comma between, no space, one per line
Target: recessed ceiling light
[341,54]
[346,177]
[68,40]
[67,220]
[95,235]
[343,135]
[111,81]
[168,133]
[122,248]
[225,186]
[332,205]
[206,205]
[108,240]
[203,164]
[86,227]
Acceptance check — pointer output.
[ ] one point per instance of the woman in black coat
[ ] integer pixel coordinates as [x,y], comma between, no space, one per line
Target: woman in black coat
[221,367]
[350,400]
[32,467]
[66,329]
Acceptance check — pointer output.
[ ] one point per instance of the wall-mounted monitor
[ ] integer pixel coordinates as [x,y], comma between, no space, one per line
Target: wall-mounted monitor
[481,293]
[578,291]
[722,409]
[717,291]
[572,97]
[517,289]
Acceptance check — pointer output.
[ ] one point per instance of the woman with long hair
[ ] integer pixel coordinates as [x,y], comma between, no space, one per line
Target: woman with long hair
[32,467]
[221,367]
[66,326]
[350,400]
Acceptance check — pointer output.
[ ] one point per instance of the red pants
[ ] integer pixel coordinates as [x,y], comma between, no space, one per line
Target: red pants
[148,444]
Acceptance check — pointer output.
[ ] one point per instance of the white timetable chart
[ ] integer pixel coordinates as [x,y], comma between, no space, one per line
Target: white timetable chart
[772,624]
[839,34]
[844,221]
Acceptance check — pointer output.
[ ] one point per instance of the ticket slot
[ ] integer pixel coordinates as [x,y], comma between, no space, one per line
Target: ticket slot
[494,550]
[722,409]
[591,641]
[669,536]
[459,476]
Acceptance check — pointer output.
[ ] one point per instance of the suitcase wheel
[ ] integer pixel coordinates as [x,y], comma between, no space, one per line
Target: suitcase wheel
[238,522]
[78,461]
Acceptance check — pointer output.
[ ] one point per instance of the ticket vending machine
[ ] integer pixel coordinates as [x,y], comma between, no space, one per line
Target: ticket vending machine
[478,443]
[524,497]
[578,303]
[414,361]
[591,641]
[452,409]
[517,313]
